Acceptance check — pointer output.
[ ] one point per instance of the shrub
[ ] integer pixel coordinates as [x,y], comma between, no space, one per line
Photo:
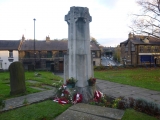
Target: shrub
[147,107]
[101,67]
[141,105]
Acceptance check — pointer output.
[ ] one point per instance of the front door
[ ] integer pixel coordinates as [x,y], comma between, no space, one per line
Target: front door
[155,61]
[52,67]
[60,66]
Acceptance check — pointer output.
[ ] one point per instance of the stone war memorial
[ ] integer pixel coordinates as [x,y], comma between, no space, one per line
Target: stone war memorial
[78,61]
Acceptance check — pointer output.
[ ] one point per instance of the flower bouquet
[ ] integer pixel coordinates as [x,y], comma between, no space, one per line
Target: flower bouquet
[71,82]
[62,96]
[91,81]
[77,98]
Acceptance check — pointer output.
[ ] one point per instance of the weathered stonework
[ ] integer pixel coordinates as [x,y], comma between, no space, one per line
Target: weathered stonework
[17,78]
[79,58]
[78,19]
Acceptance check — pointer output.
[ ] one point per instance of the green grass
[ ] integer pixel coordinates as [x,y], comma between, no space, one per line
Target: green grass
[141,77]
[131,114]
[145,78]
[45,77]
[46,110]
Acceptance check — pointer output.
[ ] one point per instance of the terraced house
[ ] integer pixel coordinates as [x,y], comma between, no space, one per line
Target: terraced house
[9,50]
[140,50]
[49,54]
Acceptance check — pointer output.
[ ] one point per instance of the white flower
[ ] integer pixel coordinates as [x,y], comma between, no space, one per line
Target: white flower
[62,94]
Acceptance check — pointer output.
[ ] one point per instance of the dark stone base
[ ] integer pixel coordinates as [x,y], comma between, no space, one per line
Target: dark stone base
[87,92]
[17,92]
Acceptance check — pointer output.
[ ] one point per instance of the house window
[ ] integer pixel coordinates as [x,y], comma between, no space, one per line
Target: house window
[49,54]
[0,64]
[60,53]
[93,54]
[141,49]
[126,48]
[133,47]
[39,54]
[48,64]
[149,49]
[94,63]
[11,53]
[27,54]
[156,49]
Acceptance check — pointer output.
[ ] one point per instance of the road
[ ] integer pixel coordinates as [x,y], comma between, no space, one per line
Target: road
[106,61]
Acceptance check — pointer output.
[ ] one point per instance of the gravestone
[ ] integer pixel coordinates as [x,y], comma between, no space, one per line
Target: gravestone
[78,62]
[17,78]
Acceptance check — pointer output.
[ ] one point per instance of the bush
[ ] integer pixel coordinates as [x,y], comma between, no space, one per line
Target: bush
[101,67]
[147,107]
[141,105]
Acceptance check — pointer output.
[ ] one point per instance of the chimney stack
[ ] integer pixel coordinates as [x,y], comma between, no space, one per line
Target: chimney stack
[130,36]
[47,38]
[23,38]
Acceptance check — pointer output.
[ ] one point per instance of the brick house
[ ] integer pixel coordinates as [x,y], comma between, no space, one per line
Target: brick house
[49,54]
[140,50]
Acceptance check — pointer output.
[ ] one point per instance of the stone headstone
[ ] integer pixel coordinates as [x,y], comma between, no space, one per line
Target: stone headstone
[79,63]
[17,78]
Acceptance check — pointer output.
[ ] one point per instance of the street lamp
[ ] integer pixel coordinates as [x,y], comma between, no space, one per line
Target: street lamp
[34,45]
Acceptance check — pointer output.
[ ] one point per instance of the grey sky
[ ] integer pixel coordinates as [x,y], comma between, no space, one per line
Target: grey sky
[109,25]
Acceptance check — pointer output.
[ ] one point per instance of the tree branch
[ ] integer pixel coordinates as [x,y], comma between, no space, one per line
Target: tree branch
[147,16]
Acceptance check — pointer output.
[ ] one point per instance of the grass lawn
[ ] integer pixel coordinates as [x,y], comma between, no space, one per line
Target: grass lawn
[46,110]
[44,78]
[131,114]
[141,77]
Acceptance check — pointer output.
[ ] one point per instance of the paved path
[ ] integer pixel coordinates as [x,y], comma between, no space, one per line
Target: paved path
[116,90]
[27,99]
[83,111]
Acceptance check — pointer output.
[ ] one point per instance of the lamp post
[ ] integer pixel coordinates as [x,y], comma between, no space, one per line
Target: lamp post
[34,45]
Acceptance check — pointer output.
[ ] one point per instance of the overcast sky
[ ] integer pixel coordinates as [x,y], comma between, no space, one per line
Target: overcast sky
[110,19]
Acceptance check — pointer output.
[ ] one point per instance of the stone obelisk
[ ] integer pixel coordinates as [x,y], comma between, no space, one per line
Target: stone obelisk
[79,58]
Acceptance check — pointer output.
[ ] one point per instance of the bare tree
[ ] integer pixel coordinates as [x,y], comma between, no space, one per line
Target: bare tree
[148,21]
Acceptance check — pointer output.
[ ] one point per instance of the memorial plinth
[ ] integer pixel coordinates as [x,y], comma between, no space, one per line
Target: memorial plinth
[78,62]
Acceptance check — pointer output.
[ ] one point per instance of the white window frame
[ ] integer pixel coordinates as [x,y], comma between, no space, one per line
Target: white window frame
[93,54]
[10,53]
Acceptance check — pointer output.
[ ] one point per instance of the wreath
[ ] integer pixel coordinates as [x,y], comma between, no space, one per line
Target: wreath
[77,98]
[97,96]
